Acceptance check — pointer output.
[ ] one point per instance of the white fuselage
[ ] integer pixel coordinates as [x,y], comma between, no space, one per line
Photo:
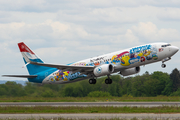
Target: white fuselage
[121,60]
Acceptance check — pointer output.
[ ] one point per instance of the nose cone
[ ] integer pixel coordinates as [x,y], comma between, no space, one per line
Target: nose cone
[174,49]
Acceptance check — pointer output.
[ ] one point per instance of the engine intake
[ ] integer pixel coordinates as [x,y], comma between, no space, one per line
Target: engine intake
[130,71]
[102,70]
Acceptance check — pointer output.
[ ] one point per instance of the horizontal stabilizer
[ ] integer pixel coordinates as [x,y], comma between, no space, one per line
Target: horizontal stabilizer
[21,76]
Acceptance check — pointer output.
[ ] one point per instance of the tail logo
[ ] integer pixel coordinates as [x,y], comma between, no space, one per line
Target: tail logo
[22,46]
[29,55]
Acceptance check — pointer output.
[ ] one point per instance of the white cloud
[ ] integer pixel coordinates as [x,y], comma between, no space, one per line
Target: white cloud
[54,5]
[20,5]
[169,14]
[126,40]
[101,15]
[68,31]
[149,31]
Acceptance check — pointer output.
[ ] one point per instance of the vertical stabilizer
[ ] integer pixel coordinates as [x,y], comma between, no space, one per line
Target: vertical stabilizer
[29,55]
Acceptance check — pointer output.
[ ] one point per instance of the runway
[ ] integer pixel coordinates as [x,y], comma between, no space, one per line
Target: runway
[86,104]
[91,116]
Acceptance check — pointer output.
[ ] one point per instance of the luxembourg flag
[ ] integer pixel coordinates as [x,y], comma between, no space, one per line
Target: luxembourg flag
[28,54]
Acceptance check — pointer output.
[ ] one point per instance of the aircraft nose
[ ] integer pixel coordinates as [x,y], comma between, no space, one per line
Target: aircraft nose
[174,49]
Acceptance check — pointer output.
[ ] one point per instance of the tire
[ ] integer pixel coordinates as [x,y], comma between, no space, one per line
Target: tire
[90,81]
[107,81]
[163,65]
[94,81]
[110,81]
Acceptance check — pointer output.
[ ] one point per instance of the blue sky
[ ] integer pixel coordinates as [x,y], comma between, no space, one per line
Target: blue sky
[65,31]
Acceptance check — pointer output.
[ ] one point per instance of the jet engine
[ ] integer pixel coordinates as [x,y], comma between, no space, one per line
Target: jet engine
[105,69]
[130,71]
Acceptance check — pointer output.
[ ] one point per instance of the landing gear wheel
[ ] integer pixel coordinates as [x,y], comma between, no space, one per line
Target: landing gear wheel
[92,81]
[108,81]
[163,65]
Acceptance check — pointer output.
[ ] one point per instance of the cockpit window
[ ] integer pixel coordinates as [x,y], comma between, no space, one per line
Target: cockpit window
[169,45]
[166,45]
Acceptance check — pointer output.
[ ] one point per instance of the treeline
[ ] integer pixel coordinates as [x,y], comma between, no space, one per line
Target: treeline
[146,85]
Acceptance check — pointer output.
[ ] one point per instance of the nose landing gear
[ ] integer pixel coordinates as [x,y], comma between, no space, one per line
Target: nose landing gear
[163,65]
[164,60]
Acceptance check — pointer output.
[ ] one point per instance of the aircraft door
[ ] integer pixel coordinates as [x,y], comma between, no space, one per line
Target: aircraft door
[162,52]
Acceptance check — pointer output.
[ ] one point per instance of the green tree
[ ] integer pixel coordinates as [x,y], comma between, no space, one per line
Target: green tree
[163,81]
[175,77]
[3,90]
[126,86]
[48,93]
[137,88]
[14,89]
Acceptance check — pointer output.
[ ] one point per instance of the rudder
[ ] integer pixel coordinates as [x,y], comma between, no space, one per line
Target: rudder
[29,55]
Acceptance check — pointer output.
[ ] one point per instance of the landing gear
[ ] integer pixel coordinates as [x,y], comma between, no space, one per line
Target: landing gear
[164,60]
[92,81]
[108,81]
[163,65]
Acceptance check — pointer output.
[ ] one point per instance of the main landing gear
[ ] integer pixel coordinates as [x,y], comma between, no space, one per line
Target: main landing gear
[92,81]
[108,81]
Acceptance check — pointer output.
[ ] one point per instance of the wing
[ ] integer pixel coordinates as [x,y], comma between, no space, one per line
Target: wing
[82,69]
[21,76]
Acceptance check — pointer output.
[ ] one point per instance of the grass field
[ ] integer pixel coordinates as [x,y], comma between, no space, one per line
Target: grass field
[76,109]
[60,118]
[91,99]
[71,109]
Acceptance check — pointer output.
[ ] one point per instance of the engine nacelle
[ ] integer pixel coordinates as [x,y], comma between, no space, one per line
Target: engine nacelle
[102,70]
[130,71]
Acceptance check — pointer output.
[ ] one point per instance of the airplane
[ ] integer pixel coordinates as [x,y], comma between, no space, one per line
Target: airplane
[125,62]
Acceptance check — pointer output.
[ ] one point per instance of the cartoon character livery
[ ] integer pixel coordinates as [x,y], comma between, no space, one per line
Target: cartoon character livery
[125,62]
